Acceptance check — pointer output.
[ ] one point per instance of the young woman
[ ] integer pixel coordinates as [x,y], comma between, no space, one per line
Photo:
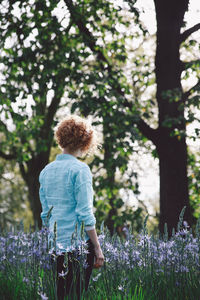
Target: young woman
[66,184]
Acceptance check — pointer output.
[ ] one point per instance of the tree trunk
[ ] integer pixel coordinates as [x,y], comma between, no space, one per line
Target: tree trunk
[173,182]
[33,189]
[172,149]
[110,180]
[31,177]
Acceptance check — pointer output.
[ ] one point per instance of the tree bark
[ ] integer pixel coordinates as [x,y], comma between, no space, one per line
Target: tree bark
[173,182]
[110,170]
[172,149]
[31,177]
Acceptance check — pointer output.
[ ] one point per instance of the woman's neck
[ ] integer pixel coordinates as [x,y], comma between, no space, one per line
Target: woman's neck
[75,153]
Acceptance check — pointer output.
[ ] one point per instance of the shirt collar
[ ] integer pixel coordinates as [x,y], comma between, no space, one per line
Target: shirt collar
[65,156]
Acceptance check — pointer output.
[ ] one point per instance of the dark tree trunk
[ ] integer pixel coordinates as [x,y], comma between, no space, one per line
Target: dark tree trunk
[31,177]
[172,150]
[33,188]
[173,182]
[110,180]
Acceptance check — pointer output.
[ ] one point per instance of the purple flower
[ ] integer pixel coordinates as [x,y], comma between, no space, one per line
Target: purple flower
[25,280]
[3,258]
[85,265]
[97,277]
[43,296]
[185,224]
[62,274]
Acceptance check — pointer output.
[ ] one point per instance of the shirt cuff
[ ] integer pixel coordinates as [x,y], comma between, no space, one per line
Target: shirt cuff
[90,227]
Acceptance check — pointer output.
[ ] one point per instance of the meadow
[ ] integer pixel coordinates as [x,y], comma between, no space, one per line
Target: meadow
[141,266]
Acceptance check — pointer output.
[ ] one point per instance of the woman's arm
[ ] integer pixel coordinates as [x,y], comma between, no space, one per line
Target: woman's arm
[84,210]
[97,248]
[93,236]
[46,211]
[83,192]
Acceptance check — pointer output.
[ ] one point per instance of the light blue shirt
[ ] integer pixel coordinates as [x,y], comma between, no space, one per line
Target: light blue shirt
[66,183]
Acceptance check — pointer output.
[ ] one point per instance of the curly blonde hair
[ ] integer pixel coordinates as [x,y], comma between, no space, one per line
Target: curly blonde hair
[76,133]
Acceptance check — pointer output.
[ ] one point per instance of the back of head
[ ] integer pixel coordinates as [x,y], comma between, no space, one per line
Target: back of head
[75,133]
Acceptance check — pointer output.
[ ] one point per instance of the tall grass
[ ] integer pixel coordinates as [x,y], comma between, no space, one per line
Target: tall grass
[139,267]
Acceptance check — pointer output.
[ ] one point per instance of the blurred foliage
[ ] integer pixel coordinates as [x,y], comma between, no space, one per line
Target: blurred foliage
[14,206]
[33,63]
[43,56]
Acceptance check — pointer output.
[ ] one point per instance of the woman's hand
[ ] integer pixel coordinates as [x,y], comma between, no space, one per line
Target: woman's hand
[99,258]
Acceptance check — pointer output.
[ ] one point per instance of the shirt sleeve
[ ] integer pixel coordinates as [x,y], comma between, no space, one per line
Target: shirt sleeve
[45,207]
[84,198]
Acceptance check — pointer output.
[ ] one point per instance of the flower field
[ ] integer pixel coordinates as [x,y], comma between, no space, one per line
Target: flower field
[138,267]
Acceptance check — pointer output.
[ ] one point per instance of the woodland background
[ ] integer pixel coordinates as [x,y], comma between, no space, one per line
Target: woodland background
[97,59]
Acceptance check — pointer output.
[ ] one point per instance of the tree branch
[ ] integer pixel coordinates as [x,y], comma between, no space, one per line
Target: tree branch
[7,179]
[23,172]
[90,41]
[188,32]
[52,110]
[149,132]
[193,89]
[60,81]
[7,156]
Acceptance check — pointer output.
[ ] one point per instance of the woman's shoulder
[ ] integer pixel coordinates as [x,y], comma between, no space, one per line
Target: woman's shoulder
[76,167]
[81,167]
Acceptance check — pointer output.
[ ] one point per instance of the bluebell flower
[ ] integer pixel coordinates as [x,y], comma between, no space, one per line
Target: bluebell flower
[96,277]
[43,296]
[25,280]
[62,274]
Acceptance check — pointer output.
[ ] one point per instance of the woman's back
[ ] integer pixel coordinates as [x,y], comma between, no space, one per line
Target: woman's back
[66,184]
